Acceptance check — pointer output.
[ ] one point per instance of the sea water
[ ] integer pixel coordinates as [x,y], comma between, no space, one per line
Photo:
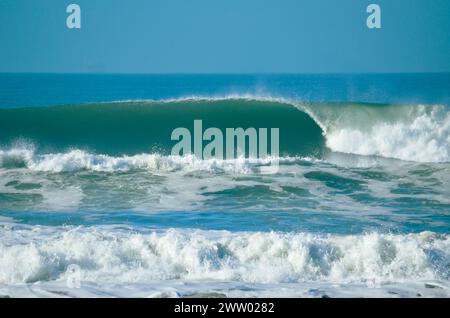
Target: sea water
[359,206]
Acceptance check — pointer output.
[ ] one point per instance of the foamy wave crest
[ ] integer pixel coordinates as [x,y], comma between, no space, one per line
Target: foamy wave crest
[112,255]
[423,136]
[76,160]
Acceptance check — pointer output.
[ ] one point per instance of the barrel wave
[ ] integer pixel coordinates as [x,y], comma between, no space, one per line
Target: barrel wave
[407,132]
[128,128]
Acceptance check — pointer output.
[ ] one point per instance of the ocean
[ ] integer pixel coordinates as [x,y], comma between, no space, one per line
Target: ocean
[90,191]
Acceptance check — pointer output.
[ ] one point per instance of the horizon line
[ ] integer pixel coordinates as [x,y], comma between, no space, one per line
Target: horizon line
[222,73]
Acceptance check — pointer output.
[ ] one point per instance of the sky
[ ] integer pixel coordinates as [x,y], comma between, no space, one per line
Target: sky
[224,36]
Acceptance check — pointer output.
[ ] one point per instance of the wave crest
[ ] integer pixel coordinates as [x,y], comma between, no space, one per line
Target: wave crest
[76,160]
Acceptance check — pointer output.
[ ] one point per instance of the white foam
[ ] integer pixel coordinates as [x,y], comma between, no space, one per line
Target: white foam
[118,256]
[424,136]
[75,160]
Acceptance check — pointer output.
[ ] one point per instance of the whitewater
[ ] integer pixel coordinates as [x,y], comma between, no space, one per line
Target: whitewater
[179,263]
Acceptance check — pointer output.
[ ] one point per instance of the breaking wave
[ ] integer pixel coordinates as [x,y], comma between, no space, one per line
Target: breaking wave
[113,135]
[76,160]
[106,254]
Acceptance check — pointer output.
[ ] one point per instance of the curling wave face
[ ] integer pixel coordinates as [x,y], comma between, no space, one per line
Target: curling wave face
[413,133]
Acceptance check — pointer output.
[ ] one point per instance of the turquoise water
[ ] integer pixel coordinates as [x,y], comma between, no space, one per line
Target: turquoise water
[359,206]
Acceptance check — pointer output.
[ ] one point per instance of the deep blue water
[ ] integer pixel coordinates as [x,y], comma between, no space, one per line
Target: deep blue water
[26,90]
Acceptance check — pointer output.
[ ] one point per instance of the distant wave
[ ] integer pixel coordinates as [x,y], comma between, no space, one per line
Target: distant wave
[124,129]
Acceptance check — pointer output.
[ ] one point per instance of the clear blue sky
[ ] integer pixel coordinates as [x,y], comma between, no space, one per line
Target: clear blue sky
[224,36]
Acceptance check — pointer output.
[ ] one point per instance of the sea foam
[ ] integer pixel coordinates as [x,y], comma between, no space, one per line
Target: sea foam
[423,136]
[107,254]
[76,160]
